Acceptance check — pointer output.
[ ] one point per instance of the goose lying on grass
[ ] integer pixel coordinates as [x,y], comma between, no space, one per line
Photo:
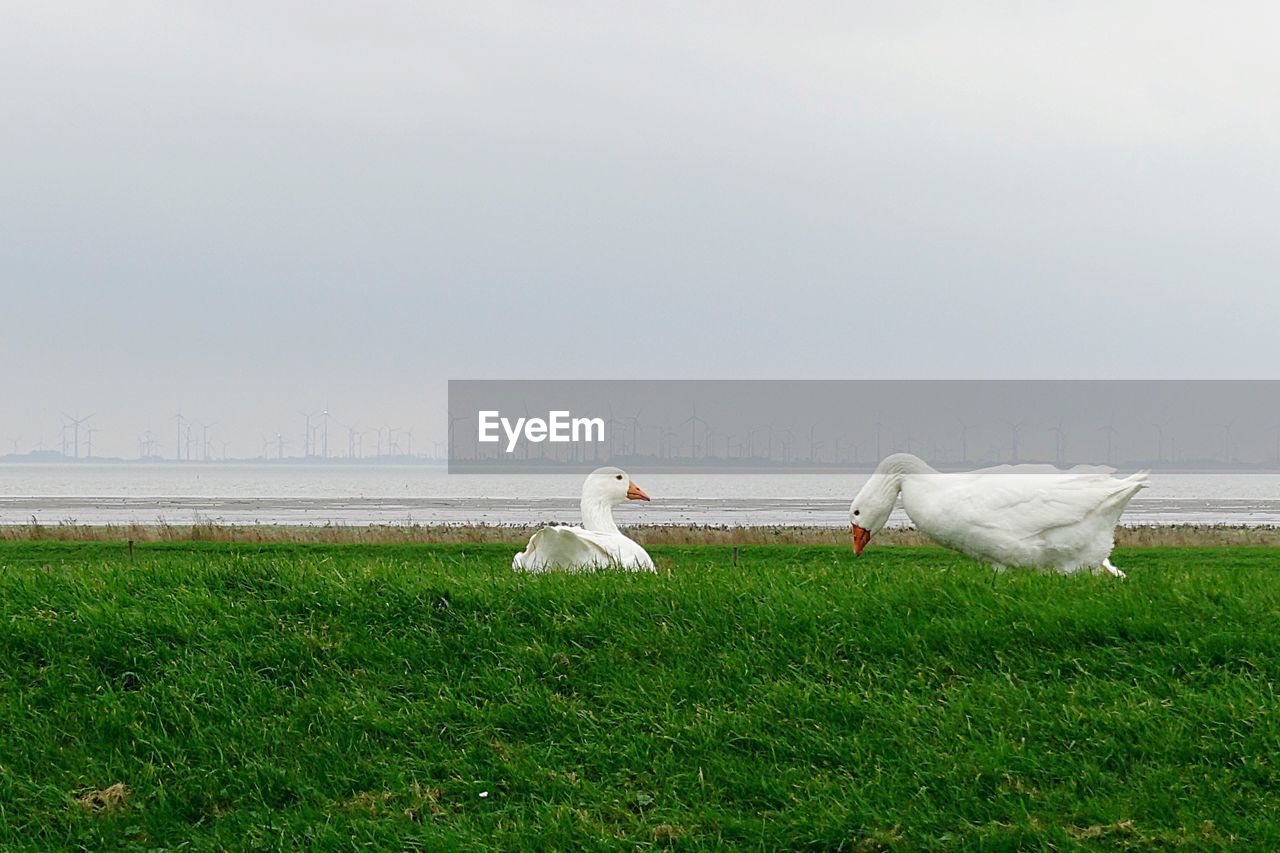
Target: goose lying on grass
[598,543]
[1033,516]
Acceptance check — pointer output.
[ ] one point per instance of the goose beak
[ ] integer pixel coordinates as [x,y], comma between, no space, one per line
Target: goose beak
[861,536]
[635,493]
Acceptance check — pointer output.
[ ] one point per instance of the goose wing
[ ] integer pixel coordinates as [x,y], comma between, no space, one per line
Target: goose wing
[622,551]
[1026,505]
[561,548]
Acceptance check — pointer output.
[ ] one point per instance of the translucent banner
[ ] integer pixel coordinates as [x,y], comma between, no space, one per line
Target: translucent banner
[531,426]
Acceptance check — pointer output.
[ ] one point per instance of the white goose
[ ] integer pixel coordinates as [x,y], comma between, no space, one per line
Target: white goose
[598,543]
[1034,516]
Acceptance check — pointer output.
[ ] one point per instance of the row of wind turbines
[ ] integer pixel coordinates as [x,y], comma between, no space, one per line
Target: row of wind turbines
[693,439]
[192,441]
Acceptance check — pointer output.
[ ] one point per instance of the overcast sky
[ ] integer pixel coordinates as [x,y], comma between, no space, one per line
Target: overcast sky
[250,209]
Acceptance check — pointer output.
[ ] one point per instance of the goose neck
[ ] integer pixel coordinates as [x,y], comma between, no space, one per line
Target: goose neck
[597,516]
[902,464]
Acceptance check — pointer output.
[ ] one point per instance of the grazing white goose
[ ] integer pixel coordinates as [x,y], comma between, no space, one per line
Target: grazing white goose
[1033,516]
[598,543]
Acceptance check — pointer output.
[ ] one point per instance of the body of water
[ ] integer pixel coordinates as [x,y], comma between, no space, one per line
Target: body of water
[420,494]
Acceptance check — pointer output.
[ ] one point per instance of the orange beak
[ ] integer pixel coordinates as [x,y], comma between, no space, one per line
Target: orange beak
[635,493]
[861,536]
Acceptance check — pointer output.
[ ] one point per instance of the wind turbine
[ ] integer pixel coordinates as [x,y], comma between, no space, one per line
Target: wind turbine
[693,421]
[89,452]
[204,440]
[148,443]
[1015,430]
[306,435]
[814,444]
[635,431]
[454,450]
[325,414]
[75,425]
[1160,425]
[177,447]
[712,434]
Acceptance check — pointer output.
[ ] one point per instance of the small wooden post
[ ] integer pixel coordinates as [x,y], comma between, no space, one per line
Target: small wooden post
[735,556]
[130,549]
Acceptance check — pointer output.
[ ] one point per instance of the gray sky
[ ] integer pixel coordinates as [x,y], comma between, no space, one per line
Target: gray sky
[248,209]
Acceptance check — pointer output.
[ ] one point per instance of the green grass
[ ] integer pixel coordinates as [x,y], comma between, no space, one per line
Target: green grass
[337,695]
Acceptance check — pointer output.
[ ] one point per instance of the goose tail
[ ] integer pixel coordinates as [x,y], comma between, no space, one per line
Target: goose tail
[1140,479]
[1127,487]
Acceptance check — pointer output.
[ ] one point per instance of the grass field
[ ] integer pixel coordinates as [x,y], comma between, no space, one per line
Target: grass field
[274,695]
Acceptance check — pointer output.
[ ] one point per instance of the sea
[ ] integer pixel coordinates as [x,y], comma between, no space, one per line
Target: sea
[353,494]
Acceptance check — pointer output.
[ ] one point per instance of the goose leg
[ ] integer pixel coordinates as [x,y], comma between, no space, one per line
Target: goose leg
[1106,564]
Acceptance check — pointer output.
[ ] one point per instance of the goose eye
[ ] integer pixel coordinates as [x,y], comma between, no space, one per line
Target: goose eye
[856,511]
[619,477]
